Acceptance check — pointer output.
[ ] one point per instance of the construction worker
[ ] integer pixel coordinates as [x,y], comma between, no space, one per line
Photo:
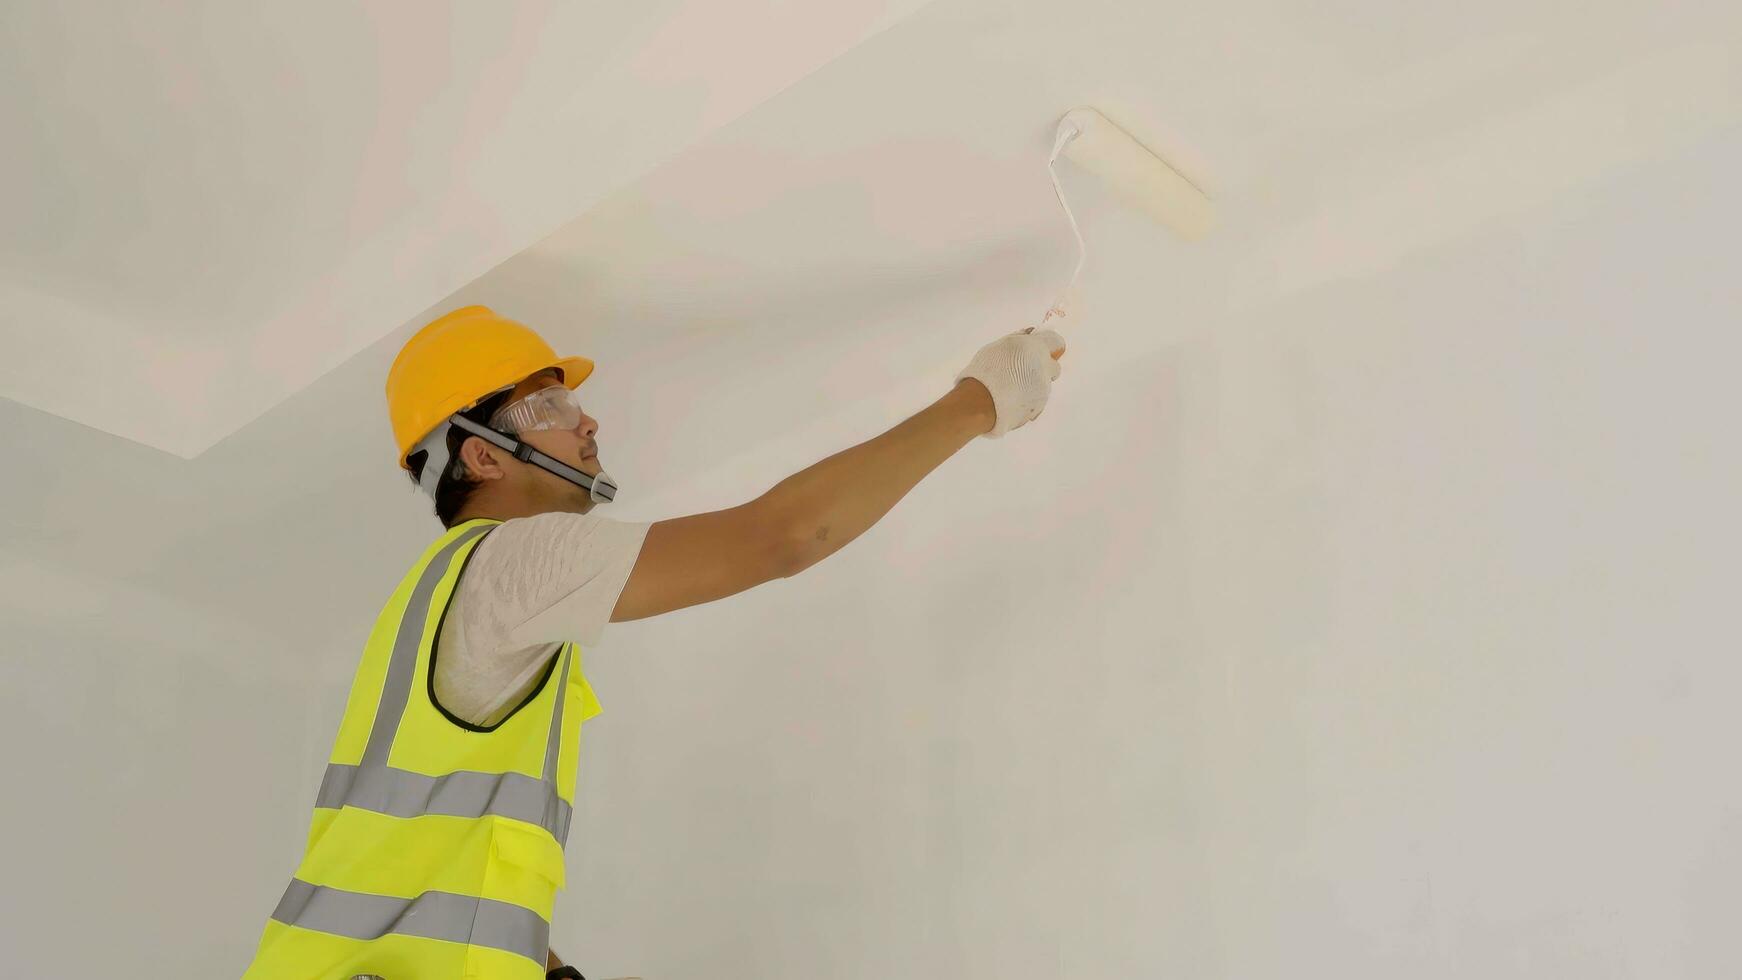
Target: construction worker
[436,848]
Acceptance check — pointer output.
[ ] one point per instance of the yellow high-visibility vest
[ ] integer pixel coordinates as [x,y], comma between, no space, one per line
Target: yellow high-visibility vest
[436,849]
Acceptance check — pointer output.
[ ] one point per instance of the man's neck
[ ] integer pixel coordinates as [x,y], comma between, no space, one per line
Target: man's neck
[484,507]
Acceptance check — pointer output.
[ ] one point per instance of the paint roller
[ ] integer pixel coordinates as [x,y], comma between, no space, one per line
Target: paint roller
[1135,175]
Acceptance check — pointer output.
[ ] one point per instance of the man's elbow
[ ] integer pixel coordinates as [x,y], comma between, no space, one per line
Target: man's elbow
[791,543]
[802,545]
[797,551]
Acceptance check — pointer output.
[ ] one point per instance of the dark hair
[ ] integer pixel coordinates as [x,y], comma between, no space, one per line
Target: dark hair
[456,485]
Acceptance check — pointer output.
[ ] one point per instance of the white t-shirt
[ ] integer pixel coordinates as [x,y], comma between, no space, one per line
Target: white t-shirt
[532,584]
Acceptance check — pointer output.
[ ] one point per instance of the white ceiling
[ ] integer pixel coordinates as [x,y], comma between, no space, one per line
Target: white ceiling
[810,269]
[209,206]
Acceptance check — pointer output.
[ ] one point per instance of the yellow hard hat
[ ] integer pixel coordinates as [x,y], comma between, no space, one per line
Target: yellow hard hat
[459,359]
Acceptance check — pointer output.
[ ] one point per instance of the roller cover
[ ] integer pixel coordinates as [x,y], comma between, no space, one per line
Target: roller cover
[1137,176]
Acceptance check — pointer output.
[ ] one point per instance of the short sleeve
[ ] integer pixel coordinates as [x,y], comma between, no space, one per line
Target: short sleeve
[554,578]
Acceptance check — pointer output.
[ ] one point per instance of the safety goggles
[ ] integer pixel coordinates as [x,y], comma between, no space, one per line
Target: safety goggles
[549,408]
[555,407]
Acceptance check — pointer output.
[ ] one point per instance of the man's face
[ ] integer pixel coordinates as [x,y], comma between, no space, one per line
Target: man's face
[578,447]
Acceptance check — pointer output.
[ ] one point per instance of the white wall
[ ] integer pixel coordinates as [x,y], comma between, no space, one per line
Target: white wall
[161,760]
[1377,631]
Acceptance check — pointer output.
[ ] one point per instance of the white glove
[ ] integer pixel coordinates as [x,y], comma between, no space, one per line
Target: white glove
[1019,371]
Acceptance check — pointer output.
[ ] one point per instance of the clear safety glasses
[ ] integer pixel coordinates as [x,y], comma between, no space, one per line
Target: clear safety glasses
[555,407]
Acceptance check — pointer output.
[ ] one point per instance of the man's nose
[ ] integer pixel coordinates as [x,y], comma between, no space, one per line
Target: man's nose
[589,426]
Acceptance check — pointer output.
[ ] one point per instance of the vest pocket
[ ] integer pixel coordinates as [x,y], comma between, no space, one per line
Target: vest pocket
[527,848]
[524,872]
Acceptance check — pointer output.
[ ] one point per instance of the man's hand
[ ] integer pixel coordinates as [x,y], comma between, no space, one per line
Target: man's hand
[1017,371]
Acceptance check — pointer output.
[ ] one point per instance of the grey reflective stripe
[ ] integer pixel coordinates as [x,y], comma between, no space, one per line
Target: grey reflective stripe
[396,690]
[432,915]
[458,794]
[553,748]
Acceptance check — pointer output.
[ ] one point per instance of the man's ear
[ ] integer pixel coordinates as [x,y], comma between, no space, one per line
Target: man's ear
[482,459]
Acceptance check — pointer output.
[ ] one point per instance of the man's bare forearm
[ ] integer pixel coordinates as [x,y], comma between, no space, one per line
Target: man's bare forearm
[832,502]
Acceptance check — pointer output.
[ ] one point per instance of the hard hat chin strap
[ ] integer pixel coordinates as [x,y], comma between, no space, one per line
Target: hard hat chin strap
[436,461]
